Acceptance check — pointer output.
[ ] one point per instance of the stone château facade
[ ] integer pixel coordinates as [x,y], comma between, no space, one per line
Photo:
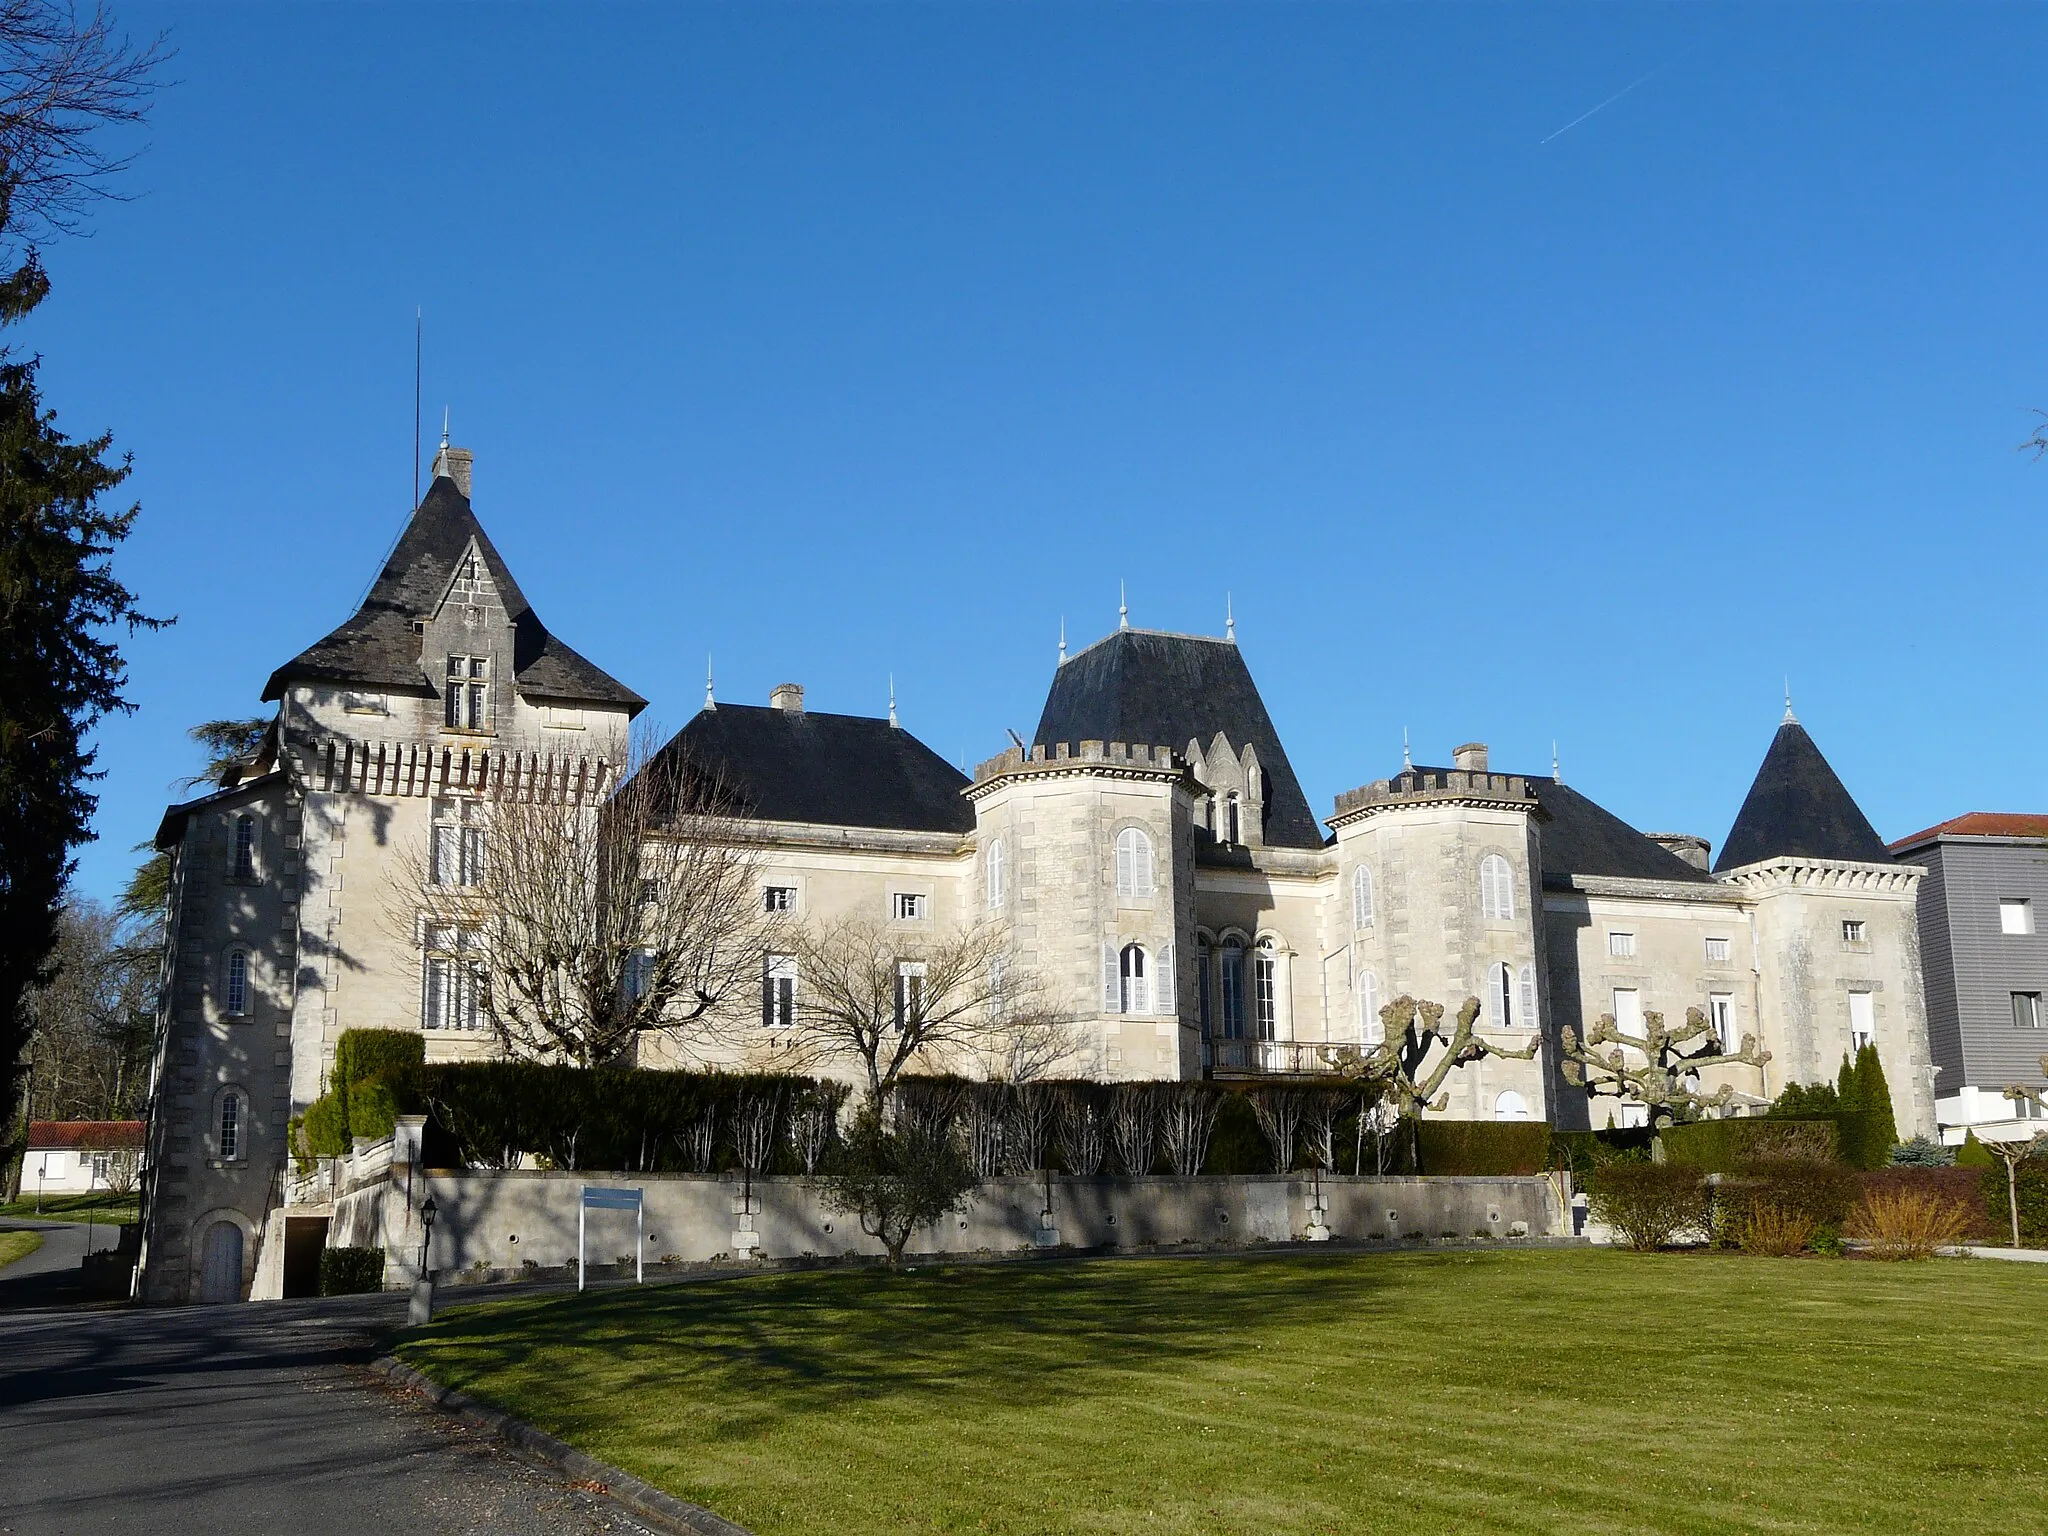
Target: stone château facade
[1150,852]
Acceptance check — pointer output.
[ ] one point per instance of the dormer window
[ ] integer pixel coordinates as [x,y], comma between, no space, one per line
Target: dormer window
[468,701]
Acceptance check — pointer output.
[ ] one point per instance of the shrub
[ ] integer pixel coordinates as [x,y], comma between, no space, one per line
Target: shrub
[366,1055]
[1805,1100]
[1772,1233]
[1722,1146]
[1922,1153]
[1962,1188]
[1484,1148]
[899,1182]
[372,1109]
[351,1271]
[1583,1152]
[1649,1204]
[2031,1176]
[1819,1193]
[325,1131]
[1873,1096]
[1974,1154]
[1905,1223]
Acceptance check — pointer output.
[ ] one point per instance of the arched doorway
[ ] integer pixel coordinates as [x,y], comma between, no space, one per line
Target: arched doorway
[220,1272]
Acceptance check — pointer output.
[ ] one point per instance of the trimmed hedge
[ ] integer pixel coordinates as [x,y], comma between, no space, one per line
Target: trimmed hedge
[351,1271]
[1484,1148]
[1723,1146]
[1584,1151]
[367,1063]
[2032,1177]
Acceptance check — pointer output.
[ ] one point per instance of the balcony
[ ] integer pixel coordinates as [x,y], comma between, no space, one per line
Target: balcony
[1267,1058]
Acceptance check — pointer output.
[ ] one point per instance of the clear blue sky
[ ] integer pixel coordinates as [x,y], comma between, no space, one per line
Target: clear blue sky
[843,340]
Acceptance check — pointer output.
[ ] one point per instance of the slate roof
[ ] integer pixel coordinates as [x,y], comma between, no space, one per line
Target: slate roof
[376,648]
[1980,824]
[1581,837]
[839,770]
[1146,687]
[1797,808]
[84,1135]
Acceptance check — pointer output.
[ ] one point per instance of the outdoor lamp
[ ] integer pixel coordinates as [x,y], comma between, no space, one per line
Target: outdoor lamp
[428,1211]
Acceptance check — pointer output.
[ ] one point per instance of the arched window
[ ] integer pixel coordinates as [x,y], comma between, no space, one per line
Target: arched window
[230,1131]
[1496,887]
[1527,988]
[1233,990]
[1266,990]
[1133,863]
[236,992]
[1510,1106]
[995,875]
[1230,826]
[1361,897]
[1372,1029]
[245,847]
[1500,997]
[1136,992]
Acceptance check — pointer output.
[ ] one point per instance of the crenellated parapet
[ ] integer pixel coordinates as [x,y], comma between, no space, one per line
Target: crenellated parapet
[1839,876]
[1455,786]
[410,769]
[1098,759]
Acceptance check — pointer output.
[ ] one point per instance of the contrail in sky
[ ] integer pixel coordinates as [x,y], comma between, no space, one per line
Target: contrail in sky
[1610,101]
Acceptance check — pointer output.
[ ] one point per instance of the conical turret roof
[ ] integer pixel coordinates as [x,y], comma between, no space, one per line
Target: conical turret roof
[1798,808]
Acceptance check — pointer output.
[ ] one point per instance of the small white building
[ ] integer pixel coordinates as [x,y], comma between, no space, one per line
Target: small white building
[79,1157]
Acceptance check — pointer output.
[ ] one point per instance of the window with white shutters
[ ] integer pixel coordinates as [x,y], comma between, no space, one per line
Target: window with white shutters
[1527,988]
[1496,887]
[910,976]
[1500,996]
[1372,1029]
[1361,897]
[778,991]
[995,875]
[1266,982]
[1133,863]
[1136,981]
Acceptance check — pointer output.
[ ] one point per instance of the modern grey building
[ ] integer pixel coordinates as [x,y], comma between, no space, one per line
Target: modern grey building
[1984,950]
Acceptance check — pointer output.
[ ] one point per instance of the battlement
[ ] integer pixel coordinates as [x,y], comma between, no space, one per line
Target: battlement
[1068,757]
[1424,786]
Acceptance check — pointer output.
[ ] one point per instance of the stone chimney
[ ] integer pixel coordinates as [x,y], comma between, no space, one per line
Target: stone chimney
[456,464]
[1688,847]
[1470,758]
[789,696]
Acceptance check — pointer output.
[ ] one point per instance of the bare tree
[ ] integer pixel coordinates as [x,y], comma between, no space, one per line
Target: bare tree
[1187,1123]
[1322,1112]
[1034,1112]
[574,918]
[1660,1067]
[1409,1067]
[1278,1111]
[813,1121]
[1083,1144]
[698,1139]
[881,1003]
[1134,1126]
[984,1117]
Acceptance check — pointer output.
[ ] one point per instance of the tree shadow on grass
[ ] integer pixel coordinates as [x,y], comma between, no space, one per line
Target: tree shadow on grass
[736,1357]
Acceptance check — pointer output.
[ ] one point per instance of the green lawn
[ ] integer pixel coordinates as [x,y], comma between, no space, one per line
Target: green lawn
[104,1208]
[1560,1390]
[18,1245]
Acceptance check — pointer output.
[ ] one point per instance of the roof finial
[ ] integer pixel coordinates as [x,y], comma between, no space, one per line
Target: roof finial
[444,429]
[1123,608]
[1406,764]
[1063,640]
[1229,620]
[1556,774]
[1790,718]
[892,699]
[709,701]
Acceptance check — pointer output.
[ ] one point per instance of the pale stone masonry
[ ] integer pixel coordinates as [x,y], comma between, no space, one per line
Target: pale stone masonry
[1150,855]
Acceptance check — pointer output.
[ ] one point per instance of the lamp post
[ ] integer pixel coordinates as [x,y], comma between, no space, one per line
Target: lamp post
[421,1309]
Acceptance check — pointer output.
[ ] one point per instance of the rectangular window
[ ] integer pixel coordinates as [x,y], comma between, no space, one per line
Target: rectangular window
[1721,1015]
[1233,993]
[230,1128]
[238,984]
[2015,916]
[1202,1010]
[778,992]
[1628,1009]
[453,991]
[1622,946]
[2026,1010]
[1717,951]
[1853,931]
[778,898]
[1266,975]
[1862,1020]
[638,975]
[909,993]
[458,855]
[99,1167]
[468,698]
[909,907]
[245,848]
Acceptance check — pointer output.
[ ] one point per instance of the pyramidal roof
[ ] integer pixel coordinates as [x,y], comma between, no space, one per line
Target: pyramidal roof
[1146,687]
[378,648]
[1798,808]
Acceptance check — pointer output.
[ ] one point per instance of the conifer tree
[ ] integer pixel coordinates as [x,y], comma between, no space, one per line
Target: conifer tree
[1874,1098]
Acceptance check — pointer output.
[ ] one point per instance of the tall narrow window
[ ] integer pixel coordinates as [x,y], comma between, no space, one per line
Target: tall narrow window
[778,991]
[1266,979]
[472,855]
[910,977]
[1204,1016]
[995,875]
[1361,897]
[997,966]
[452,994]
[1230,820]
[1136,992]
[1721,1016]
[245,847]
[1496,887]
[1862,1020]
[1372,1029]
[2026,1010]
[230,1126]
[1628,1010]
[1133,863]
[468,699]
[1233,991]
[1500,997]
[238,983]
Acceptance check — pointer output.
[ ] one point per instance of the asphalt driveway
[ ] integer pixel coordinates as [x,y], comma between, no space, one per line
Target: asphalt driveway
[254,1417]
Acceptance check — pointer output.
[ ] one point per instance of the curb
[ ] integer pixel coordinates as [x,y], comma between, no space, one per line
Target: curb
[643,1499]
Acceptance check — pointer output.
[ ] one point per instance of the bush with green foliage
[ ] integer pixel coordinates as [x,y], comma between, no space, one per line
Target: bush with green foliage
[1974,1154]
[2031,1179]
[351,1271]
[1581,1153]
[1815,1192]
[1723,1146]
[365,1057]
[898,1182]
[324,1131]
[1484,1148]
[1649,1205]
[1920,1152]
